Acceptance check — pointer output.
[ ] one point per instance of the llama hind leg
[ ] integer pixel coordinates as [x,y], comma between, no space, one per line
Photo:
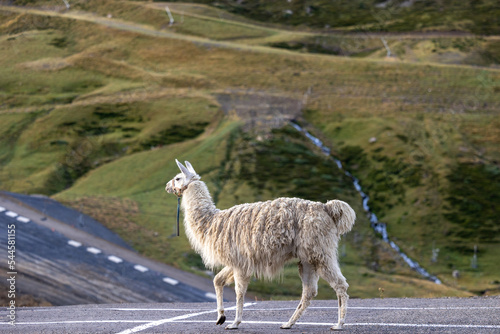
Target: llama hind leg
[241,282]
[224,277]
[309,279]
[337,281]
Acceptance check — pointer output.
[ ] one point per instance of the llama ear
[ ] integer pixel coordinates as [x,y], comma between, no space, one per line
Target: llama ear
[183,169]
[190,168]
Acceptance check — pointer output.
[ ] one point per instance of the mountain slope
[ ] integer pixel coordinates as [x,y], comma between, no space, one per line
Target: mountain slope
[479,17]
[95,110]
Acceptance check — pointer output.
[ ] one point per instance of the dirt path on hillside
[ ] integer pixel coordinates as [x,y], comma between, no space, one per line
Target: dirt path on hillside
[120,97]
[141,29]
[150,31]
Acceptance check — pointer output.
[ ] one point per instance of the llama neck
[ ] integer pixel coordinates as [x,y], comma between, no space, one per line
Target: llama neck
[199,218]
[197,204]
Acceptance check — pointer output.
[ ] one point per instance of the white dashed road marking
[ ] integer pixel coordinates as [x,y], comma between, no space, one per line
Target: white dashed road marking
[11,214]
[93,250]
[2,209]
[23,219]
[211,295]
[74,243]
[170,281]
[115,259]
[140,268]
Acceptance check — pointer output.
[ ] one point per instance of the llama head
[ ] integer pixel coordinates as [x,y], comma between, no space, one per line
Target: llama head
[182,180]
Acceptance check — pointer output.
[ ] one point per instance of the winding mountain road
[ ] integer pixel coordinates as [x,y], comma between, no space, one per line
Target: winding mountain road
[67,265]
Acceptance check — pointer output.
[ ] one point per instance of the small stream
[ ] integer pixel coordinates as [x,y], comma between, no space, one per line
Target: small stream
[378,226]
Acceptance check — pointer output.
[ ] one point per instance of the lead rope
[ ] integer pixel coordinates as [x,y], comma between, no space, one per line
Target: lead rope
[178,212]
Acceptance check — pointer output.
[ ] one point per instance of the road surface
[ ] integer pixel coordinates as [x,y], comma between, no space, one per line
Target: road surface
[447,315]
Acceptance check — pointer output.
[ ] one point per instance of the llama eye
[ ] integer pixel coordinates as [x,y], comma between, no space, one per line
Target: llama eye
[178,179]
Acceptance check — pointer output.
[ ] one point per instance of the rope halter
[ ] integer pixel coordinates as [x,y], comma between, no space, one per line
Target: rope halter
[178,193]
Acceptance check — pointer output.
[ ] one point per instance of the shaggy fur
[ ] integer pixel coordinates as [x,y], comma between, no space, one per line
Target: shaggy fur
[259,238]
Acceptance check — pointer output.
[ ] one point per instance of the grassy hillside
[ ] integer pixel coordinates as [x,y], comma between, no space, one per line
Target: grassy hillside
[479,17]
[94,109]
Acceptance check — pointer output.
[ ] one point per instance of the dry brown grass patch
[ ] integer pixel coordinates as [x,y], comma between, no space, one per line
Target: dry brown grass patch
[113,212]
[46,64]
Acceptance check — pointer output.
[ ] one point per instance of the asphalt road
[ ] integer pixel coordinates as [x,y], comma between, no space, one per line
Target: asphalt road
[65,265]
[49,207]
[448,315]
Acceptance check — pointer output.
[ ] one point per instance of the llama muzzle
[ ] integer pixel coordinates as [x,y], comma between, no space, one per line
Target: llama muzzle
[179,191]
[175,190]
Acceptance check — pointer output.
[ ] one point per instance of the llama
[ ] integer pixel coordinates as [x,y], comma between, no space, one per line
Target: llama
[259,238]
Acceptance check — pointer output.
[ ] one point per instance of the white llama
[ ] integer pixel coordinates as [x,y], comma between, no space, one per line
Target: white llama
[259,238]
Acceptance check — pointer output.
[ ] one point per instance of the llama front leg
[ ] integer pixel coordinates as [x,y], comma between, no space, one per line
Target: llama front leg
[309,279]
[240,286]
[223,278]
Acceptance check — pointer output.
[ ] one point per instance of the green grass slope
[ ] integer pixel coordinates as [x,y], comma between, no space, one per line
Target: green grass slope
[239,168]
[480,17]
[94,110]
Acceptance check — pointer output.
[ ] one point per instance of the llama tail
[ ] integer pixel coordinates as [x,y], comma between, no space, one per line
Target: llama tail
[342,214]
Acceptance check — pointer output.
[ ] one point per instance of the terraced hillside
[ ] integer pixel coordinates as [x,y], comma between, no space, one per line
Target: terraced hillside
[97,101]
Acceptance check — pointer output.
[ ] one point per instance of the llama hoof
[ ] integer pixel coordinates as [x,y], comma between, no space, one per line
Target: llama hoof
[286,326]
[221,320]
[232,326]
[338,327]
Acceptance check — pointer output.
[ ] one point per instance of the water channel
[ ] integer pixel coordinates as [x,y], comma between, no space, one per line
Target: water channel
[378,227]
